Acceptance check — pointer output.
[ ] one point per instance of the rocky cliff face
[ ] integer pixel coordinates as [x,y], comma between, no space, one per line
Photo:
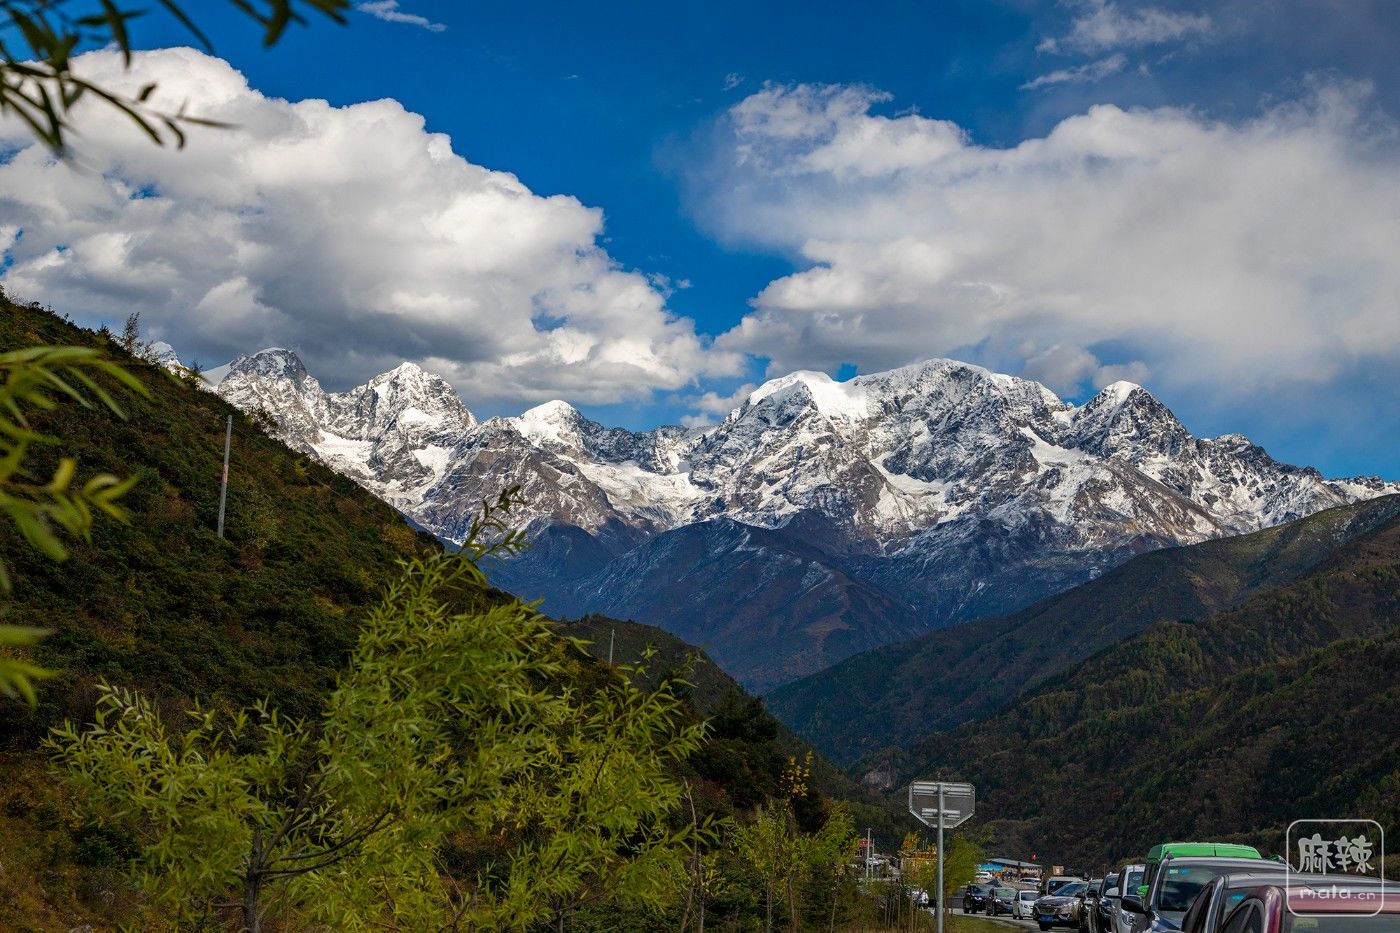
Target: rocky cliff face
[820,517]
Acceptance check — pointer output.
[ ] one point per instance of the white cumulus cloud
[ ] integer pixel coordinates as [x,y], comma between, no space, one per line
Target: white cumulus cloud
[350,233]
[1223,259]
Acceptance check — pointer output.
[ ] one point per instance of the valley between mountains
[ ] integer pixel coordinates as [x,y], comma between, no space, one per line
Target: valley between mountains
[819,519]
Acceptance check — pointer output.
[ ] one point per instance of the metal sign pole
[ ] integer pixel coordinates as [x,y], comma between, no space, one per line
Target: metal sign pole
[940,859]
[955,803]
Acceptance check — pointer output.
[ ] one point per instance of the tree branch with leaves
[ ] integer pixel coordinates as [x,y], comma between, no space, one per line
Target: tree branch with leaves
[34,381]
[39,39]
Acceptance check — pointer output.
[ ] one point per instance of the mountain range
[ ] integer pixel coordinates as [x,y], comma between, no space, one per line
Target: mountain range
[819,518]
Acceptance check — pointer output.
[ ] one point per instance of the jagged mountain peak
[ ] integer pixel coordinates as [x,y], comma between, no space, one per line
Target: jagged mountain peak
[831,398]
[163,354]
[269,362]
[1125,420]
[551,412]
[405,372]
[1120,391]
[409,391]
[555,424]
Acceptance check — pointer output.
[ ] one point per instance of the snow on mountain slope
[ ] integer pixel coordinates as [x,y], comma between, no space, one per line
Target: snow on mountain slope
[951,490]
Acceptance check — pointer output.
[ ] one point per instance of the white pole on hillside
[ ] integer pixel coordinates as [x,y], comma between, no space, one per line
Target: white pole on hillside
[223,486]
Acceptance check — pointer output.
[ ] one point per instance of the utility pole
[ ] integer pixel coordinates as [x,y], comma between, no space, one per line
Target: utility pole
[223,486]
[611,635]
[869,853]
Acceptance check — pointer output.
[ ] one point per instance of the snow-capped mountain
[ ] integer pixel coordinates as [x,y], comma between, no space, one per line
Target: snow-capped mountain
[889,503]
[394,435]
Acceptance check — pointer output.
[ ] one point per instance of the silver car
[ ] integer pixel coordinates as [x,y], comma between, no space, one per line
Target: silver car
[1129,879]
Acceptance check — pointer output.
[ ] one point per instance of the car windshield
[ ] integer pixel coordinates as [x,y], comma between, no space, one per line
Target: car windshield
[1110,888]
[1182,884]
[1071,889]
[1003,892]
[1134,878]
[1026,896]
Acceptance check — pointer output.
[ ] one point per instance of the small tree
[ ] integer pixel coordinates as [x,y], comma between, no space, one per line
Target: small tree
[828,855]
[224,811]
[960,865]
[451,738]
[130,340]
[771,846]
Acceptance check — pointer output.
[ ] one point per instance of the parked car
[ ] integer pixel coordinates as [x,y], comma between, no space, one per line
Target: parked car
[1171,881]
[984,877]
[1060,909]
[1023,908]
[974,899]
[1100,919]
[1129,878]
[1225,893]
[1052,885]
[1334,908]
[1088,901]
[1000,900]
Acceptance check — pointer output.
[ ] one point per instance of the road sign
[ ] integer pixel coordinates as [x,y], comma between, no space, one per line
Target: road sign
[958,800]
[941,805]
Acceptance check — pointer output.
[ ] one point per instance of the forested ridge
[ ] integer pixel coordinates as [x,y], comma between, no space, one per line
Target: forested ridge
[1229,726]
[899,694]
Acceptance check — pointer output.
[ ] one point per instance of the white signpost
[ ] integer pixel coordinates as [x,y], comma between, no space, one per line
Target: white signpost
[941,805]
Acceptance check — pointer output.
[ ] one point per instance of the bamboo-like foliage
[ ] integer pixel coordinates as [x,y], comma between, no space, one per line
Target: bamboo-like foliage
[456,779]
[32,381]
[39,87]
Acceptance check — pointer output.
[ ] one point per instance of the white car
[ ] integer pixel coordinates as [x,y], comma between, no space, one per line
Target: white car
[983,877]
[1023,907]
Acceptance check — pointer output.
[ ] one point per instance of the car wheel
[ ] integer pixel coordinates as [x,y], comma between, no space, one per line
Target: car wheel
[1044,925]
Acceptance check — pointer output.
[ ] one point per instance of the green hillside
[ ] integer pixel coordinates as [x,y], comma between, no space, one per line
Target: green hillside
[715,693]
[897,694]
[163,605]
[1233,726]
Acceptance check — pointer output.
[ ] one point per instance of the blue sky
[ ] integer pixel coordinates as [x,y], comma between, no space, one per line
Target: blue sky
[639,110]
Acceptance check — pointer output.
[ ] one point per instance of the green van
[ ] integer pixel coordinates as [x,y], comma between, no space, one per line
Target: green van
[1168,850]
[1175,872]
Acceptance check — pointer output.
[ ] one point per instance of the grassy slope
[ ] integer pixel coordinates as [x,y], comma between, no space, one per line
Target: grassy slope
[900,693]
[1230,727]
[163,603]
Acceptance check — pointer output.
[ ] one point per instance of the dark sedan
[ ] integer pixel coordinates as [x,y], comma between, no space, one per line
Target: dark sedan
[975,898]
[1099,919]
[1000,901]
